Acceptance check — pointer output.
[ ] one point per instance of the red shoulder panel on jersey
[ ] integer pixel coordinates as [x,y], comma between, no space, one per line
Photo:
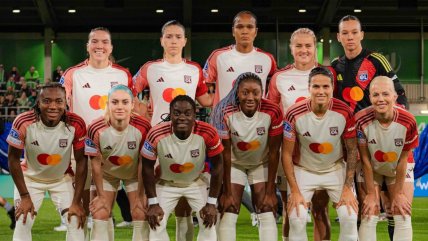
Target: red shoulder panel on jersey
[95,126]
[205,130]
[76,120]
[271,109]
[192,63]
[77,66]
[158,131]
[296,109]
[364,116]
[140,123]
[28,116]
[342,108]
[218,51]
[405,118]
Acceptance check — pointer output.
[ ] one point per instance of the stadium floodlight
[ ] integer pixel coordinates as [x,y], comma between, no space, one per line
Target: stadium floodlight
[214,10]
[424,112]
[302,10]
[16,10]
[71,10]
[358,10]
[159,10]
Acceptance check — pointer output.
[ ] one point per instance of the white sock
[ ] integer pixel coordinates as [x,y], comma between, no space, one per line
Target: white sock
[206,234]
[184,228]
[22,231]
[367,231]
[267,228]
[146,231]
[403,228]
[73,232]
[348,224]
[298,224]
[227,227]
[137,234]
[99,231]
[284,238]
[110,229]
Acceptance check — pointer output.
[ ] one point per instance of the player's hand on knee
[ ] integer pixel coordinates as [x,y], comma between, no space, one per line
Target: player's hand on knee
[100,204]
[294,200]
[269,204]
[401,205]
[77,210]
[348,198]
[24,207]
[154,216]
[370,205]
[227,204]
[209,215]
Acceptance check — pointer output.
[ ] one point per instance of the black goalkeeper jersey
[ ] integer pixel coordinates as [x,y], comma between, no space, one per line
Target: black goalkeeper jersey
[353,77]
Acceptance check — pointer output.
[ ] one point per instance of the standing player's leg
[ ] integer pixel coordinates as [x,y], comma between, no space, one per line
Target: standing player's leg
[62,196]
[257,178]
[184,221]
[36,192]
[319,210]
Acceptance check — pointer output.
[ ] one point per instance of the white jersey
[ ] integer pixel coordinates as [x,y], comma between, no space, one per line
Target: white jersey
[119,149]
[181,161]
[87,88]
[288,86]
[166,81]
[385,144]
[319,140]
[226,64]
[249,135]
[47,149]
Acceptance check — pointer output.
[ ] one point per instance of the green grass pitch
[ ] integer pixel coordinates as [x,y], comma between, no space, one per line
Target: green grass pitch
[48,219]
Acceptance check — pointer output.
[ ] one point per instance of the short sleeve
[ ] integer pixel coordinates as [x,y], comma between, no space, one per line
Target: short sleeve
[139,80]
[349,131]
[201,88]
[276,121]
[16,137]
[149,151]
[412,139]
[79,133]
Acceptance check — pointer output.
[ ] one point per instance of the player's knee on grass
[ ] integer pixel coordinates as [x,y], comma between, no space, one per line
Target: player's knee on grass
[298,224]
[348,224]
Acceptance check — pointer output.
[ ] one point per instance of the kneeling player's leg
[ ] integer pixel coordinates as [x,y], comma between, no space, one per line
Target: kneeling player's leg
[168,198]
[184,221]
[267,228]
[403,221]
[140,225]
[36,191]
[227,226]
[320,212]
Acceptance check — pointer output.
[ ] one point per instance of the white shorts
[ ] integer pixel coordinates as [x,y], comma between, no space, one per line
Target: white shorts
[240,175]
[379,178]
[309,182]
[112,184]
[61,192]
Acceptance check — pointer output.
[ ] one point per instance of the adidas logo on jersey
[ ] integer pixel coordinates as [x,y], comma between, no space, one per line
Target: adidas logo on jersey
[86,86]
[307,134]
[235,133]
[230,69]
[373,141]
[168,155]
[160,80]
[291,88]
[36,143]
[107,148]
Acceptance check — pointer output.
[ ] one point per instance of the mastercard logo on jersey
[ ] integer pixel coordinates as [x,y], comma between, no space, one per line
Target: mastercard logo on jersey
[182,168]
[353,95]
[98,102]
[46,159]
[170,93]
[248,146]
[321,148]
[381,156]
[120,160]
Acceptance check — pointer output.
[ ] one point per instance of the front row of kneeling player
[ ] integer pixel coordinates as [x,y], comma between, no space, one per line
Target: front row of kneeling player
[242,145]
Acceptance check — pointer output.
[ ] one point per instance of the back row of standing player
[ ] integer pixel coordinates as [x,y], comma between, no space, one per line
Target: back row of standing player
[246,157]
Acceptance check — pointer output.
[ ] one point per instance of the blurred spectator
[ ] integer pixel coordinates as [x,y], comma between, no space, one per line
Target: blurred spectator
[32,98]
[19,84]
[3,77]
[32,75]
[10,102]
[10,84]
[47,80]
[56,76]
[14,73]
[25,88]
[23,100]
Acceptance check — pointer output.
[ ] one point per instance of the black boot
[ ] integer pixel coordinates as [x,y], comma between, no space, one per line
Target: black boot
[11,215]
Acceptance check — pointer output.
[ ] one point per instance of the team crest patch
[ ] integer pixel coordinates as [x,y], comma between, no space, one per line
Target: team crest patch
[261,131]
[258,69]
[194,153]
[363,75]
[132,144]
[187,79]
[63,143]
[334,131]
[112,84]
[398,142]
